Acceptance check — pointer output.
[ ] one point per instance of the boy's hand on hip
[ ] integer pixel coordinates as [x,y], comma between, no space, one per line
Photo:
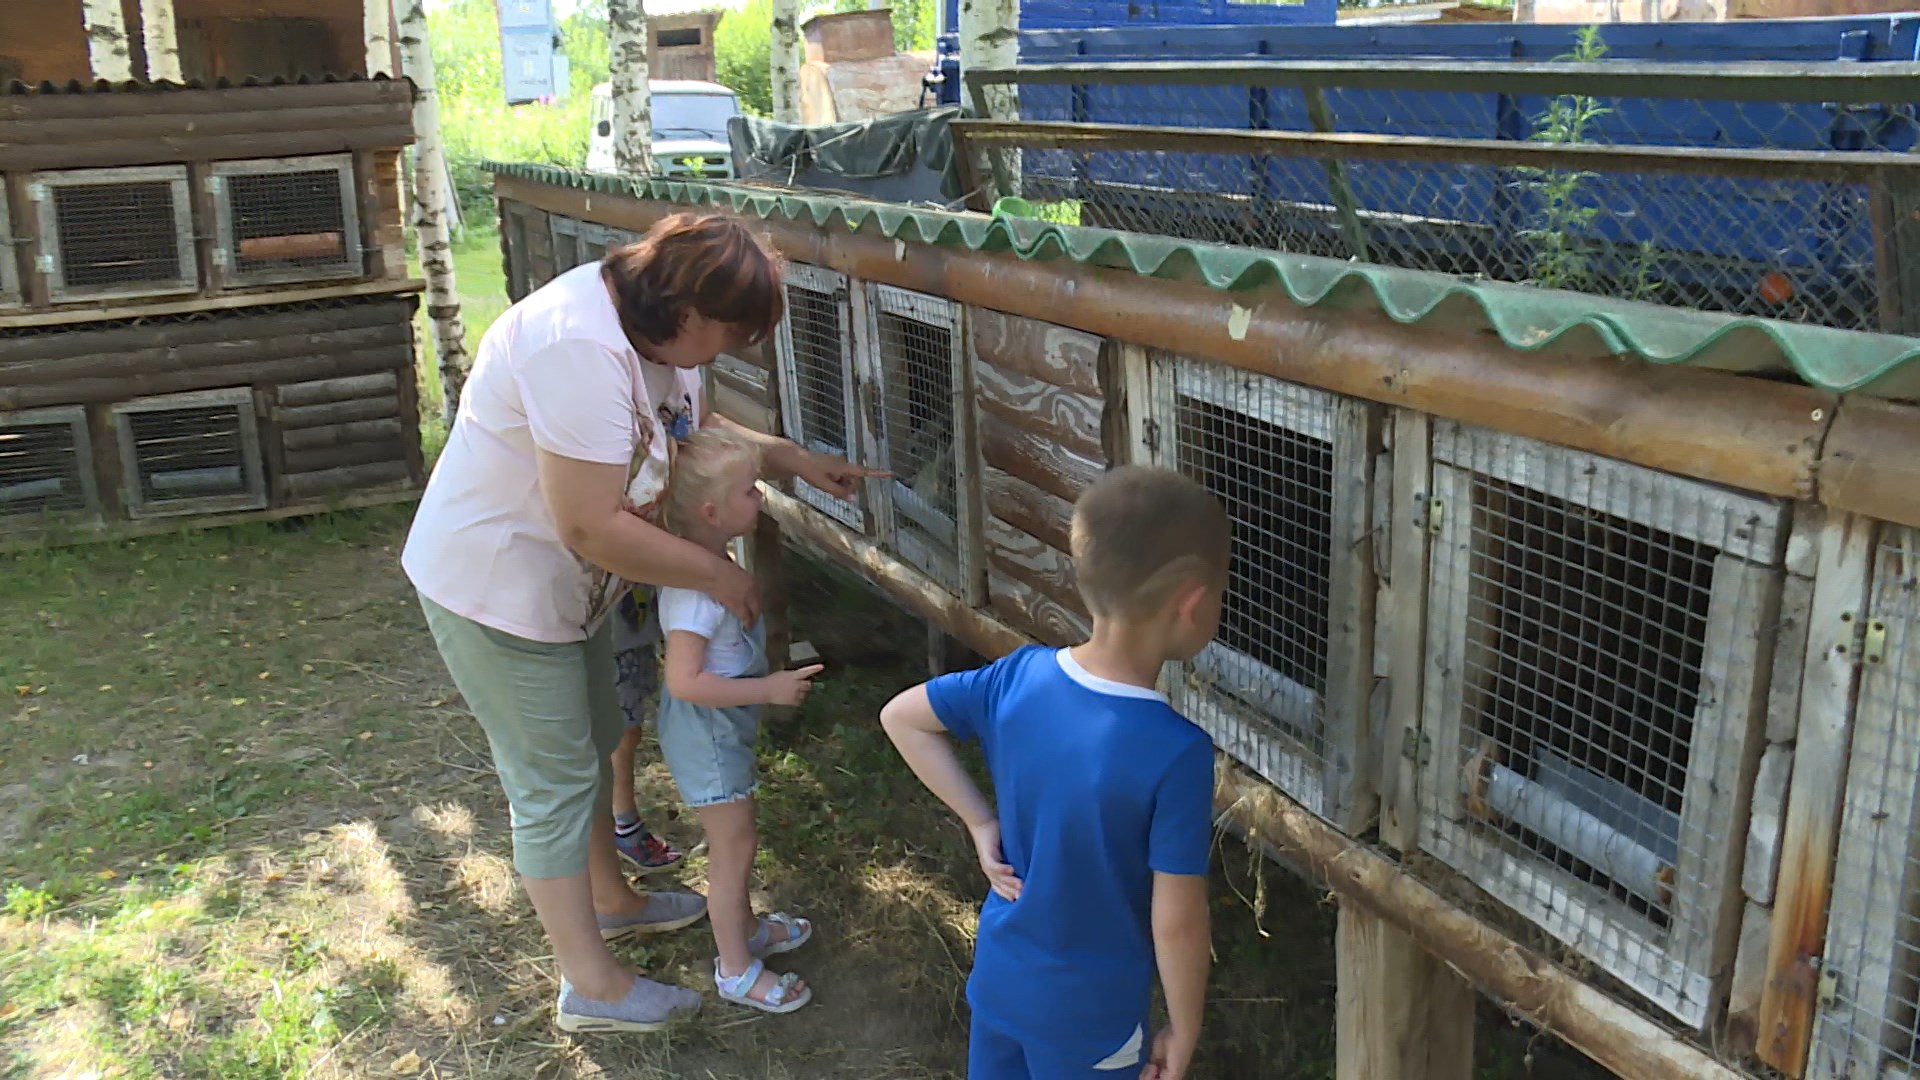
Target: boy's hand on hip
[1000,876]
[790,687]
[1171,1055]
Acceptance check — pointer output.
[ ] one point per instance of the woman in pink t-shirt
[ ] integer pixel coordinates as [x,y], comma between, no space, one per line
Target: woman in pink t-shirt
[526,538]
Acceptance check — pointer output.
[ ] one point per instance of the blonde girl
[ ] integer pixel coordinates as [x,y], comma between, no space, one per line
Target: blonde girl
[716,681]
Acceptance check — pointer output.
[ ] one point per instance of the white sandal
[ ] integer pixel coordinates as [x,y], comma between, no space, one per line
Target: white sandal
[780,997]
[798,932]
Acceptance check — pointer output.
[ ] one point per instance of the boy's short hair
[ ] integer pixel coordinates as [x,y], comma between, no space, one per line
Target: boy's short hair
[1140,534]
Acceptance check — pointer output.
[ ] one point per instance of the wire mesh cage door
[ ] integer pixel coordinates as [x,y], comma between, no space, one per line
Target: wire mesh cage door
[286,219]
[1869,1021]
[115,232]
[915,408]
[9,264]
[1282,687]
[568,251]
[1598,642]
[814,350]
[190,453]
[46,468]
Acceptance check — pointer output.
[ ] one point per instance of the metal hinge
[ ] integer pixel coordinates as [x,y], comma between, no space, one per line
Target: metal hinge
[1415,746]
[1874,646]
[1852,638]
[215,185]
[44,264]
[1150,434]
[1436,515]
[1828,991]
[37,192]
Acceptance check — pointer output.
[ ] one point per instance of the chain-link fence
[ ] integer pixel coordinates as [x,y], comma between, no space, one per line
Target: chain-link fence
[1594,636]
[1741,188]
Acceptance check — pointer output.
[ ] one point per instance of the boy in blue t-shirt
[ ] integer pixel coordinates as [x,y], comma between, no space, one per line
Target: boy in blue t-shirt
[1097,857]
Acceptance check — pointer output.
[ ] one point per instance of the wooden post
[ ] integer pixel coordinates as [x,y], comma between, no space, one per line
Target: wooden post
[784,61]
[108,53]
[765,558]
[161,31]
[1401,1013]
[377,30]
[430,199]
[632,93]
[1805,882]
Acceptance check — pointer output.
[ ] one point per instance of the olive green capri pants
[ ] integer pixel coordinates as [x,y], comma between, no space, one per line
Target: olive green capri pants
[552,718]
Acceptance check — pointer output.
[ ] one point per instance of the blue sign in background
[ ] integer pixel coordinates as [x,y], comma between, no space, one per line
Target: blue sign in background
[526,49]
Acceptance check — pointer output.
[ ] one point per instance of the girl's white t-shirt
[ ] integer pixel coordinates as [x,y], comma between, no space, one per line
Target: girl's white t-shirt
[555,372]
[730,651]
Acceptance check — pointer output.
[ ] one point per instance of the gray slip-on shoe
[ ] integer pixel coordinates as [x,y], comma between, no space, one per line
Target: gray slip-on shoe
[649,1006]
[664,911]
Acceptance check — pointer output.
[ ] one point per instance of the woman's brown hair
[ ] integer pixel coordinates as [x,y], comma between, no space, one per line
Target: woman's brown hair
[707,263]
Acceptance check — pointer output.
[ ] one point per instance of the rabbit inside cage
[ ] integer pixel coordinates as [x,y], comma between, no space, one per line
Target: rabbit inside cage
[917,373]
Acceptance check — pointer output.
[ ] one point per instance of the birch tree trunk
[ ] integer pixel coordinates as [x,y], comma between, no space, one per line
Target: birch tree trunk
[377,29]
[162,34]
[632,95]
[784,61]
[990,38]
[430,199]
[108,53]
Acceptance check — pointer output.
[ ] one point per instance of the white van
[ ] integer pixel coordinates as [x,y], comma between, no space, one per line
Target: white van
[689,129]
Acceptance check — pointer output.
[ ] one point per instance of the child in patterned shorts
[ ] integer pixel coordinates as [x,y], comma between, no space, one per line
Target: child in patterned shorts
[636,652]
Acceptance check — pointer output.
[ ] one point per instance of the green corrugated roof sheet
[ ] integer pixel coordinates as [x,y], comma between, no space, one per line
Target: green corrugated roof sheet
[1525,318]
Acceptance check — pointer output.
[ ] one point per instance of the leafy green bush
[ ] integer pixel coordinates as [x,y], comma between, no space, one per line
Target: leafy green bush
[742,54]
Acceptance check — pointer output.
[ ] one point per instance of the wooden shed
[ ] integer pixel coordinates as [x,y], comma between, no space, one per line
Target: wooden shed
[205,306]
[47,40]
[1586,678]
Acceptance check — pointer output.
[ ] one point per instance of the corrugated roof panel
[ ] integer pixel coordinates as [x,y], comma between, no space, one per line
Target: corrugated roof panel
[1527,319]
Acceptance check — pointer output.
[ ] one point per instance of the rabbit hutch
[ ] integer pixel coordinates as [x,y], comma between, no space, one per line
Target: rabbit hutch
[1570,638]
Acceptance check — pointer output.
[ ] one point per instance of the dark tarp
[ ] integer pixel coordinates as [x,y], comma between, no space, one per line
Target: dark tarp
[903,158]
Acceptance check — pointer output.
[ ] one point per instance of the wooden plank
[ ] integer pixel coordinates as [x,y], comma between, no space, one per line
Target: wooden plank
[1033,613]
[1046,465]
[1450,630]
[1071,419]
[1813,803]
[1405,630]
[1351,765]
[1611,1032]
[1728,737]
[1738,524]
[162,149]
[1057,355]
[321,458]
[262,102]
[125,530]
[1749,979]
[741,409]
[1766,816]
[338,412]
[1030,561]
[382,218]
[232,301]
[1789,658]
[1870,936]
[340,434]
[1027,508]
[968,505]
[322,391]
[242,345]
[1401,1012]
[349,479]
[118,388]
[765,558]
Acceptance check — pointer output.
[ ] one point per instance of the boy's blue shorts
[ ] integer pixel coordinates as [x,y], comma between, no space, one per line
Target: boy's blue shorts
[994,1054]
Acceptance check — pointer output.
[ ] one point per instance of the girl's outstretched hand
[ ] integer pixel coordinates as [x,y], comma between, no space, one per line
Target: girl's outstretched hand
[1000,876]
[790,687]
[835,476]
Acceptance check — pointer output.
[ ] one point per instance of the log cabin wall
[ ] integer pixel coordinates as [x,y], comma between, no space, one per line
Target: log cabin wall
[205,308]
[1644,689]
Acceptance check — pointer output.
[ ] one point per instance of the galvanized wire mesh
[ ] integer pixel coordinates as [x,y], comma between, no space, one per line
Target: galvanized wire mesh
[815,353]
[1595,631]
[915,340]
[288,221]
[190,451]
[1266,449]
[116,232]
[45,464]
[1871,1025]
[1633,197]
